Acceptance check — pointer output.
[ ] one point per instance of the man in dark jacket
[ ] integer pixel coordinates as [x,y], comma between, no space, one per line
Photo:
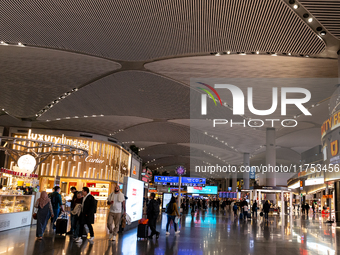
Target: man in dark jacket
[152,213]
[87,214]
[57,203]
[266,207]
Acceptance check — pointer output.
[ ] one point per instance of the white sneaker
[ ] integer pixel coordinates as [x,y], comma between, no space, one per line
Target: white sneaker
[177,232]
[78,240]
[113,238]
[91,238]
[167,233]
[110,236]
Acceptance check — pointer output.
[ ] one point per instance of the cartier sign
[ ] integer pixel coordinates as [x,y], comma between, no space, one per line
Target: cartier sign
[89,159]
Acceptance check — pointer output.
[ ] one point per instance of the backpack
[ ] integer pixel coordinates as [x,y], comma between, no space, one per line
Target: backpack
[54,200]
[169,208]
[235,207]
[95,205]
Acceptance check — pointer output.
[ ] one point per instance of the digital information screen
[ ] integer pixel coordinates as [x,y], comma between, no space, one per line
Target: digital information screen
[134,190]
[203,190]
[166,199]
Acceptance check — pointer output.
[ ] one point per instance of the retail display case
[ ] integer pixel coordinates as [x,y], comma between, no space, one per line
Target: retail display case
[15,211]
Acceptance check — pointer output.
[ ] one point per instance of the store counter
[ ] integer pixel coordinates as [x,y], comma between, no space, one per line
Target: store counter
[15,211]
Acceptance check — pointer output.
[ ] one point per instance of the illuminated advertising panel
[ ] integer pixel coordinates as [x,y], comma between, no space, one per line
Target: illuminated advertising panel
[203,190]
[134,190]
[166,199]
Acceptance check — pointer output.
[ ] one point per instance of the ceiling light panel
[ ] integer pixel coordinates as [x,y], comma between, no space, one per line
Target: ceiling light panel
[326,12]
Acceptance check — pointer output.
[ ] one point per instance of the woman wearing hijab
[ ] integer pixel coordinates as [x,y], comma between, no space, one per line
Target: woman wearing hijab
[44,207]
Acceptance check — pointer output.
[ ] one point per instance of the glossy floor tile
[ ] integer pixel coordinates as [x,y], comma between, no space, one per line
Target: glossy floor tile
[209,232]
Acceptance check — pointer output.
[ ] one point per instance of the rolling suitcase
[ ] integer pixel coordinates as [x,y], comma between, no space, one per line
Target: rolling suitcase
[241,216]
[61,224]
[142,231]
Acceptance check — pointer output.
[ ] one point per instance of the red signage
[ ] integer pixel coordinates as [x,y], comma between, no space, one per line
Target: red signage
[134,192]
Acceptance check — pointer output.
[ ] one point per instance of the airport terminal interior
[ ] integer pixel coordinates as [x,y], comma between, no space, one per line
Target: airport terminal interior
[169,127]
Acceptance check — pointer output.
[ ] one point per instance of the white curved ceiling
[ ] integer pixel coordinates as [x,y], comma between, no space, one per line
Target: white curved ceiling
[132,63]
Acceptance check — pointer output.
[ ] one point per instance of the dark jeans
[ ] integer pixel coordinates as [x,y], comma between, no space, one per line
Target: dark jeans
[152,225]
[56,214]
[255,213]
[266,215]
[84,222]
[171,217]
[75,223]
[245,215]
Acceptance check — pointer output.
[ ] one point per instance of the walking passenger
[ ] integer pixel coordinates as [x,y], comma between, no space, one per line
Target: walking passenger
[74,197]
[87,214]
[254,209]
[266,207]
[44,208]
[56,204]
[116,200]
[152,213]
[76,214]
[172,211]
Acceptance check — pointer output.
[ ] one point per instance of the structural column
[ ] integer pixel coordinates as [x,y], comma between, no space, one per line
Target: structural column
[271,161]
[246,163]
[282,204]
[234,181]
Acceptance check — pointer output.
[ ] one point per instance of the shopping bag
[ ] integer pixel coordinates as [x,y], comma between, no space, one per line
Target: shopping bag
[176,220]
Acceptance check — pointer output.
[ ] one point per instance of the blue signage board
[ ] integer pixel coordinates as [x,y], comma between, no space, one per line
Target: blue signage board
[166,179]
[252,172]
[193,180]
[186,181]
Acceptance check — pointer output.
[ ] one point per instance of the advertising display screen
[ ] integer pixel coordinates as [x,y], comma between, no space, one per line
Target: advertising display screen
[166,199]
[135,164]
[134,190]
[203,190]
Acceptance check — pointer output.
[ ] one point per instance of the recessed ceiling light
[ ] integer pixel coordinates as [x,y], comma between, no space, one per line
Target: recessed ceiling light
[322,33]
[85,116]
[289,54]
[76,117]
[3,43]
[257,52]
[217,54]
[274,55]
[94,115]
[228,52]
[310,20]
[295,6]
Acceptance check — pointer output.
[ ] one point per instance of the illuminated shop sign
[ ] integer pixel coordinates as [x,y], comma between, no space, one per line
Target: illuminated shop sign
[314,181]
[55,139]
[105,161]
[330,124]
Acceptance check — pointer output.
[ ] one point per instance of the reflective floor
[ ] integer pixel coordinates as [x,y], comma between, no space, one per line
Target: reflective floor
[201,233]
